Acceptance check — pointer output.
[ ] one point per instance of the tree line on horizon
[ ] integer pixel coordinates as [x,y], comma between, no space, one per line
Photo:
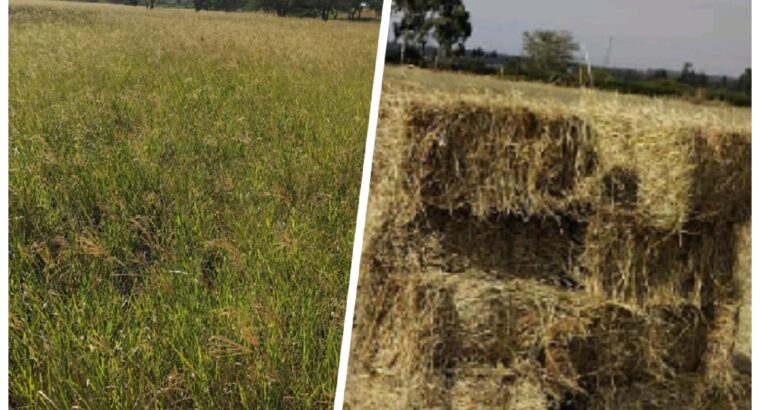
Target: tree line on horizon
[547,55]
[324,9]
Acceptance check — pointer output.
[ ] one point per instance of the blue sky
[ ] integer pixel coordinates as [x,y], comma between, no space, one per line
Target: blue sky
[715,35]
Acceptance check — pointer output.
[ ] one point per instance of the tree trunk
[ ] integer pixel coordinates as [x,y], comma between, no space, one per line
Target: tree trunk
[403,49]
[441,53]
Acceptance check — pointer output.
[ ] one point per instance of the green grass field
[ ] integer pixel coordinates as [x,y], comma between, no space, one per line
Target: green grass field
[183,192]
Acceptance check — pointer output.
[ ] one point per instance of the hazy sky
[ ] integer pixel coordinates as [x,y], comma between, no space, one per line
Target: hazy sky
[715,35]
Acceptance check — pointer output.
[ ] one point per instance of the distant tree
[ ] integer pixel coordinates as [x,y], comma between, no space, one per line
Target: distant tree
[549,53]
[449,23]
[745,81]
[688,76]
[374,5]
[352,8]
[325,8]
[397,32]
[701,80]
[478,52]
[281,7]
[659,74]
[150,4]
[200,5]
[411,26]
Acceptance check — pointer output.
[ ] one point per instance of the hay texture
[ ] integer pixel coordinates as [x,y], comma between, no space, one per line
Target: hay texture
[537,256]
[453,339]
[495,155]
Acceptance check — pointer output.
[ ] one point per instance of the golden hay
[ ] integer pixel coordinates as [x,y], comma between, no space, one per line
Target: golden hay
[500,155]
[640,264]
[495,158]
[497,387]
[439,325]
[535,255]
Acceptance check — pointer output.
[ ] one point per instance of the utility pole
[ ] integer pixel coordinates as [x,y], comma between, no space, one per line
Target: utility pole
[608,56]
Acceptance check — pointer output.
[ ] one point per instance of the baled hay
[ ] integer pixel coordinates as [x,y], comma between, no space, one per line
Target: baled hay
[670,176]
[440,322]
[405,348]
[503,155]
[629,261]
[409,247]
[506,196]
[681,393]
[743,273]
[495,158]
[582,342]
[722,187]
[497,387]
[624,345]
[498,321]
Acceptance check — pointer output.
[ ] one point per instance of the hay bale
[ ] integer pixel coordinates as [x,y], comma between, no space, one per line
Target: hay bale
[497,387]
[405,345]
[490,157]
[673,175]
[624,345]
[743,274]
[630,261]
[485,208]
[439,321]
[500,321]
[722,189]
[680,393]
[502,155]
[644,266]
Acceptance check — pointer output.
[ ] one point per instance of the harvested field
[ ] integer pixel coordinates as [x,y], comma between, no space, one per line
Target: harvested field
[527,248]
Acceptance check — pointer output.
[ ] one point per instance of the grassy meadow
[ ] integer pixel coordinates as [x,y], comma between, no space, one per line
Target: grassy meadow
[183,192]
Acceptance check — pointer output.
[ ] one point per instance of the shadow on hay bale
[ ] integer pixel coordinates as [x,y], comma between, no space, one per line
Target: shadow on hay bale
[620,188]
[506,246]
[722,191]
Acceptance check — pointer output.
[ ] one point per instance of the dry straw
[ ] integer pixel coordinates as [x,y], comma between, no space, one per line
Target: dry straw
[528,255]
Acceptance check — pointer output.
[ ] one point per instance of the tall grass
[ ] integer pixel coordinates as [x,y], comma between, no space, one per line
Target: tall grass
[183,190]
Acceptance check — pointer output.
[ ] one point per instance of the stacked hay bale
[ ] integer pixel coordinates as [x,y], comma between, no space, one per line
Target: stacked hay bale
[536,257]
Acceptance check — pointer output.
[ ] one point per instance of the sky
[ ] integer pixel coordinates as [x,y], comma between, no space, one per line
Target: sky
[714,35]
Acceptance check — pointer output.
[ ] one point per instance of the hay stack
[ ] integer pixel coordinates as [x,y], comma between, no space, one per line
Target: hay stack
[525,256]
